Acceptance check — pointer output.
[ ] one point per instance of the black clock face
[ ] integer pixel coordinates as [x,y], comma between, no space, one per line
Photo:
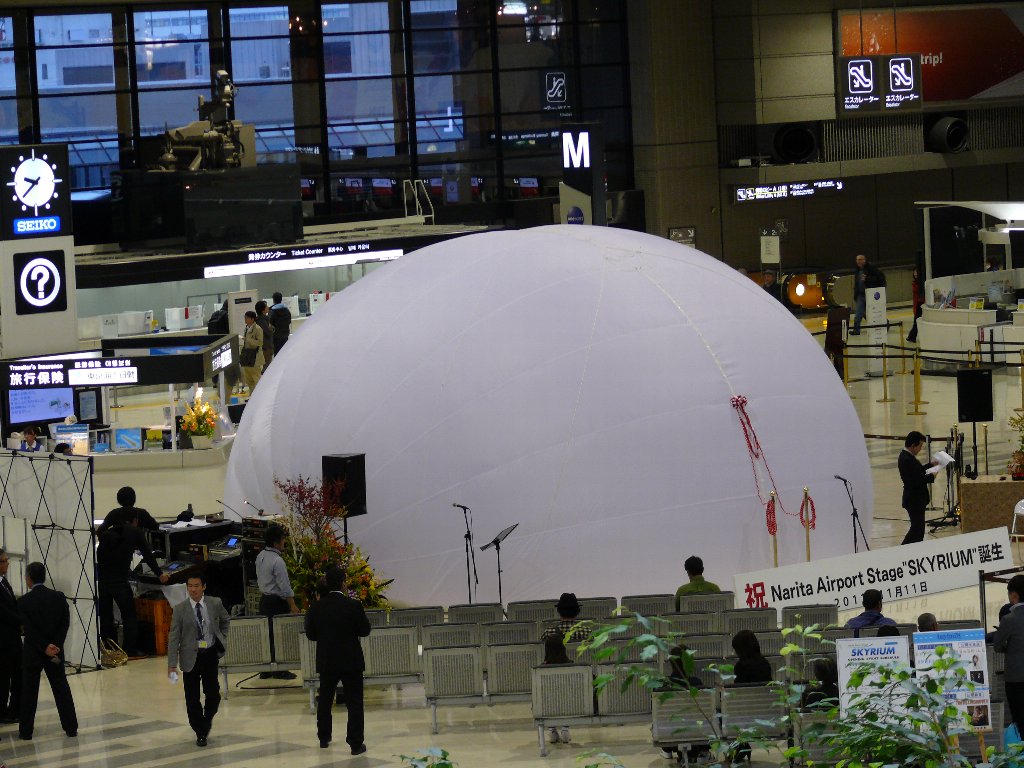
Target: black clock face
[35,196]
[40,283]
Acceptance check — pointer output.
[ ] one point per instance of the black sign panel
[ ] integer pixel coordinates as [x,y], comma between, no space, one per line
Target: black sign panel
[789,190]
[36,199]
[879,83]
[40,283]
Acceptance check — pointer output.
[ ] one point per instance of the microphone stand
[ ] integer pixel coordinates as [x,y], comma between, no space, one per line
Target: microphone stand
[496,543]
[855,516]
[471,576]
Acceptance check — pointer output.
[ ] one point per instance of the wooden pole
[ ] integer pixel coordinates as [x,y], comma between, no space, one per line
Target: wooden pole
[807,525]
[775,539]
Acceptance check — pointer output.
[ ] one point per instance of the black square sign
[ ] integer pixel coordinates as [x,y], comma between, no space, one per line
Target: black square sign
[35,191]
[39,282]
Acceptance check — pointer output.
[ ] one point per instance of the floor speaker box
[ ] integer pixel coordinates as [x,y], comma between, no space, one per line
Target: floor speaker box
[974,394]
[350,468]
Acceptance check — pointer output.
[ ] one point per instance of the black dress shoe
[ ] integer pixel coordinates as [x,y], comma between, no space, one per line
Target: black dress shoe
[324,744]
[200,741]
[23,737]
[71,734]
[359,750]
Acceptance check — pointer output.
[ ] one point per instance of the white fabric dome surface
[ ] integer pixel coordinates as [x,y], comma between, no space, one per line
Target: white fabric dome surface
[575,380]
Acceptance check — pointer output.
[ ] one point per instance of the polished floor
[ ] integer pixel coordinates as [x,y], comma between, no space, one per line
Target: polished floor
[133,716]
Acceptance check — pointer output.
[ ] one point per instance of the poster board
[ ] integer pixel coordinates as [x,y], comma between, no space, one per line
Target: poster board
[973,700]
[852,652]
[240,302]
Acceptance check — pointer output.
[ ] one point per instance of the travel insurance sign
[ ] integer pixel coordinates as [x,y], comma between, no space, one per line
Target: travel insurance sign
[899,573]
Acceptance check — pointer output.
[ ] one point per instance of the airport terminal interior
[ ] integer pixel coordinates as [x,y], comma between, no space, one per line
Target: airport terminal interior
[205,153]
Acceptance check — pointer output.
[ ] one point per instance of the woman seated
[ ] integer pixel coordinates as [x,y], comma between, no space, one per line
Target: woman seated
[823,691]
[29,441]
[751,666]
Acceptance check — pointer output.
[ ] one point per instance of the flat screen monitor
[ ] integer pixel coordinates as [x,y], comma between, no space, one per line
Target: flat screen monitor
[232,542]
[88,405]
[40,405]
[128,439]
[170,567]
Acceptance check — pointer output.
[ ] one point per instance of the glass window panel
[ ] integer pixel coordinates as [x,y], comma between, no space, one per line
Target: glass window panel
[70,70]
[353,100]
[603,87]
[537,90]
[7,84]
[615,124]
[161,109]
[265,105]
[161,64]
[361,55]
[459,181]
[256,60]
[259,22]
[8,121]
[92,163]
[601,44]
[176,25]
[369,139]
[466,93]
[601,10]
[91,116]
[73,29]
[355,17]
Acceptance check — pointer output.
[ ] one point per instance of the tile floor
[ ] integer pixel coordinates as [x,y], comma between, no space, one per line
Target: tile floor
[133,716]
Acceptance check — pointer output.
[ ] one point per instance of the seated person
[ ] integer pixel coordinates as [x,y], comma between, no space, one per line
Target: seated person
[927,622]
[63,449]
[751,666]
[568,608]
[872,615]
[29,441]
[823,691]
[888,630]
[695,584]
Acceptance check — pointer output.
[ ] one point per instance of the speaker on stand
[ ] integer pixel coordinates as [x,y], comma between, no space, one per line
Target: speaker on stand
[349,471]
[974,401]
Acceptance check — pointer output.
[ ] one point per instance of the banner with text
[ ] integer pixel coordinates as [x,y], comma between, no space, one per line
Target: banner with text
[900,572]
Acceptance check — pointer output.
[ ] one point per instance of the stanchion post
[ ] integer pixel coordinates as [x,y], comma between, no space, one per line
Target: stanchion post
[903,356]
[1018,410]
[846,370]
[984,432]
[977,353]
[885,376]
[917,401]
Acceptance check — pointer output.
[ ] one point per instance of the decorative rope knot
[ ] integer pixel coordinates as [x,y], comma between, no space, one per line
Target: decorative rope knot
[769,514]
[738,401]
[808,520]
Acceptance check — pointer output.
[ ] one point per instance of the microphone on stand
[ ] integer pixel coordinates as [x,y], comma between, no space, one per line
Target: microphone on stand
[246,501]
[840,477]
[227,507]
[460,506]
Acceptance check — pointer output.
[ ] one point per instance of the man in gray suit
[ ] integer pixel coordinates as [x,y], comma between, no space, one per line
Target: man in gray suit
[197,640]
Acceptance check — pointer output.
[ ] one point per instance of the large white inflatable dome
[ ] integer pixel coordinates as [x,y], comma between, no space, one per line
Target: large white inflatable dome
[578,381]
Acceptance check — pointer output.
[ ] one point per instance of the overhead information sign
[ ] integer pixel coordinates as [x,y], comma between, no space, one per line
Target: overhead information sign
[787,191]
[879,83]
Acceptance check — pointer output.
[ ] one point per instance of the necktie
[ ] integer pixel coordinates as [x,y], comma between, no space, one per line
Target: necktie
[7,586]
[199,621]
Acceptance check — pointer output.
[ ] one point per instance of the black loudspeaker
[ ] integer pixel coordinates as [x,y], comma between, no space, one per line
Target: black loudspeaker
[974,394]
[789,142]
[349,468]
[947,134]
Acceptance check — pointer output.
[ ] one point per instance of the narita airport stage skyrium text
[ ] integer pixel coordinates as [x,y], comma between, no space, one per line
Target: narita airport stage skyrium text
[873,576]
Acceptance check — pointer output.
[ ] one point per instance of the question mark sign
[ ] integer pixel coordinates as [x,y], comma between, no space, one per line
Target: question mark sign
[40,275]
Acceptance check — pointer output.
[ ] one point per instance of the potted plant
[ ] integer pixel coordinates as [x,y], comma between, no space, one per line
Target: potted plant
[314,512]
[1016,464]
[199,422]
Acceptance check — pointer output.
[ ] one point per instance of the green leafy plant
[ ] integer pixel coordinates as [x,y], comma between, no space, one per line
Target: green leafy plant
[433,757]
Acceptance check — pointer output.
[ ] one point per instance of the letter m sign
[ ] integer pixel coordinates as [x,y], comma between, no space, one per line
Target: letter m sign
[576,150]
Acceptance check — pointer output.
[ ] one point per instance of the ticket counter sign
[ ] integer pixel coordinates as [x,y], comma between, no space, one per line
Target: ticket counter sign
[899,573]
[973,695]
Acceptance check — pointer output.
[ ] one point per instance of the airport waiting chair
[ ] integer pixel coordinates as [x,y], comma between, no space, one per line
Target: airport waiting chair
[707,602]
[690,623]
[532,610]
[561,694]
[749,706]
[509,670]
[597,608]
[771,642]
[447,635]
[823,615]
[649,605]
[391,656]
[500,632]
[453,676]
[754,619]
[478,613]
[615,702]
[681,721]
[248,647]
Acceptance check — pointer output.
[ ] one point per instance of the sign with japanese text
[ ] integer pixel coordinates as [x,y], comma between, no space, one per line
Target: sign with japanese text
[902,572]
[973,696]
[879,83]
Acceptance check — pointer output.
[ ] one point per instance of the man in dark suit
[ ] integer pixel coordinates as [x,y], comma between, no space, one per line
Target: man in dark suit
[335,623]
[198,638]
[915,486]
[10,646]
[46,618]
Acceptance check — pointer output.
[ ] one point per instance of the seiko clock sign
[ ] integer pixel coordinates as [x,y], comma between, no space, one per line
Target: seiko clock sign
[36,192]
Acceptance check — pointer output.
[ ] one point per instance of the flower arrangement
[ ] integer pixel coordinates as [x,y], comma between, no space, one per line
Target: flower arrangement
[1016,464]
[313,545]
[200,418]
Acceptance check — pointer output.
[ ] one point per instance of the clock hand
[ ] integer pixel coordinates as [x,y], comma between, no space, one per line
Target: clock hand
[32,184]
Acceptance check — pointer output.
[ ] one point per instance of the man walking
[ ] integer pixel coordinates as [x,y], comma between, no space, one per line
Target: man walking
[866,276]
[46,617]
[1009,640]
[281,319]
[195,644]
[10,646]
[335,623]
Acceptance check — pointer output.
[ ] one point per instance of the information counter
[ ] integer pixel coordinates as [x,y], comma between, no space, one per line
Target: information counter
[988,502]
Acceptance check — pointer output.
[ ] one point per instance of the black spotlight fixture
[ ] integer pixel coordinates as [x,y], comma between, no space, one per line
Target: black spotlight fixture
[946,134]
[790,142]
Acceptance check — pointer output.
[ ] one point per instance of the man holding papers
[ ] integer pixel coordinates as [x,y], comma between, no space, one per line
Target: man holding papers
[915,486]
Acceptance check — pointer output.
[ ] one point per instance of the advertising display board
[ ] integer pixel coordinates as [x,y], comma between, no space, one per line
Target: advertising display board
[973,699]
[852,652]
[899,572]
[968,52]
